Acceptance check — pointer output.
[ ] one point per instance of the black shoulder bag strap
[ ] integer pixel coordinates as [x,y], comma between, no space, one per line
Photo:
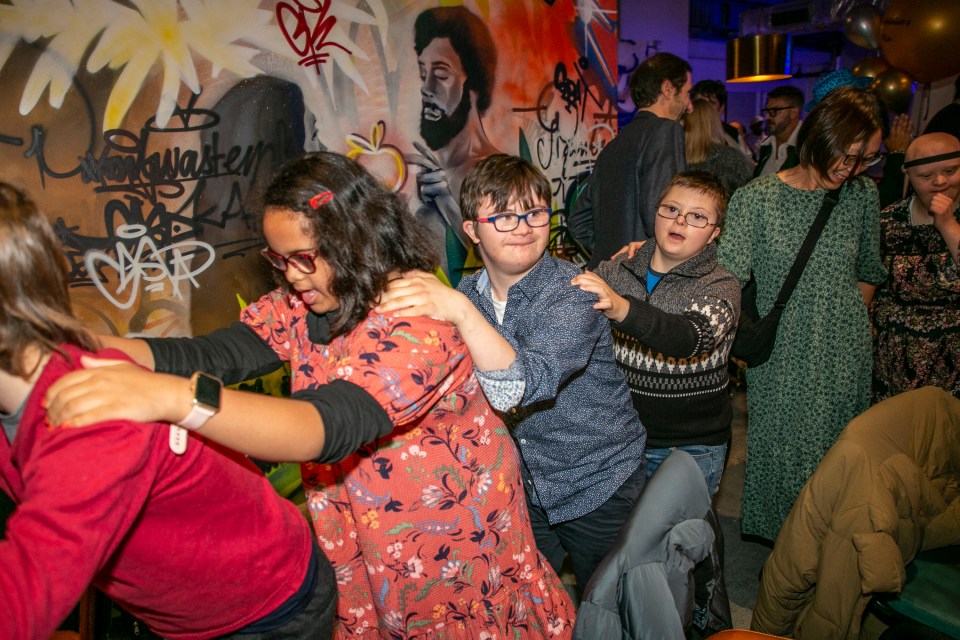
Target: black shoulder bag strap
[829,202]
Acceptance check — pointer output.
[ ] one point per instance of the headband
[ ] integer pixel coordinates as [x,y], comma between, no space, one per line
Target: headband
[931,159]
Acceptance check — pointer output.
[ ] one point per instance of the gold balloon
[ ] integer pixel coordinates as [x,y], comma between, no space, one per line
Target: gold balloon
[895,87]
[862,25]
[870,67]
[922,37]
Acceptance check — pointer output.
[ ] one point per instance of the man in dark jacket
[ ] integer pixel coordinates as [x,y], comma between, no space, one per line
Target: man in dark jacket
[620,204]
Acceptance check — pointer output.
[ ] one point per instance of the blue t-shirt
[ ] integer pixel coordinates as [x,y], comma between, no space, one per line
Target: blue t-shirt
[653,278]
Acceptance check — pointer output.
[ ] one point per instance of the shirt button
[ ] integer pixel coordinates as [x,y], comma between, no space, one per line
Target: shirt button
[514,410]
[522,441]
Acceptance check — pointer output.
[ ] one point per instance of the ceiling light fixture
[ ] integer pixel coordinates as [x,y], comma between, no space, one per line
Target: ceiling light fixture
[758,58]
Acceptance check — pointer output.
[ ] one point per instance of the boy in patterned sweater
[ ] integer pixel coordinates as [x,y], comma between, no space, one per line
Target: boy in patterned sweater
[674,312]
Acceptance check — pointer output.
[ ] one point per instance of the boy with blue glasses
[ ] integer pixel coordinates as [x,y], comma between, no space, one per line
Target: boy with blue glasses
[544,357]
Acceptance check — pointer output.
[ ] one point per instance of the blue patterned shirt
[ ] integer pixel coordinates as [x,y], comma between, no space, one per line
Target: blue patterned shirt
[573,419]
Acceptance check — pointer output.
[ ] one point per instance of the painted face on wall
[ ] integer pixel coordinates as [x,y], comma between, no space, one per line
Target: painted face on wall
[445,98]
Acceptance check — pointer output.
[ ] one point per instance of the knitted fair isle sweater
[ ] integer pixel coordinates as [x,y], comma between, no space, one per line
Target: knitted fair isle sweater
[674,344]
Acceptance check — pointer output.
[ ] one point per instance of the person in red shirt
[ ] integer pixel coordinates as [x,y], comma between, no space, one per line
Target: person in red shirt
[195,542]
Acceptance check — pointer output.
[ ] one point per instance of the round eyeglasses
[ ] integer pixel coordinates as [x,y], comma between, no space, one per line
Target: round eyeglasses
[850,159]
[692,218]
[508,221]
[302,262]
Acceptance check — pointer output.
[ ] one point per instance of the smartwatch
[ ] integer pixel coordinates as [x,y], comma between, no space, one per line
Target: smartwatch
[206,400]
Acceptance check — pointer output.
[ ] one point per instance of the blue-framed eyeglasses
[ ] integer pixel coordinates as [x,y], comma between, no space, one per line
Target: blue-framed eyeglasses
[508,221]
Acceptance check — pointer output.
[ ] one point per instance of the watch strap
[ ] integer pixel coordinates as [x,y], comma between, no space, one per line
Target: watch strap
[199,411]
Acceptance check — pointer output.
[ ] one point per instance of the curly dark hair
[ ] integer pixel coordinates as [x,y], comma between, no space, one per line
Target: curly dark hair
[364,233]
[470,38]
[35,307]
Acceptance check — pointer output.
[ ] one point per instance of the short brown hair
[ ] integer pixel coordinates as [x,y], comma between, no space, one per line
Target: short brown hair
[705,183]
[647,80]
[35,307]
[844,117]
[501,177]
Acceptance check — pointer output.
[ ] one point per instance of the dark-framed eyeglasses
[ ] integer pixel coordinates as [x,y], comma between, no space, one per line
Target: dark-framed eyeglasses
[508,221]
[302,262]
[771,112]
[850,159]
[692,218]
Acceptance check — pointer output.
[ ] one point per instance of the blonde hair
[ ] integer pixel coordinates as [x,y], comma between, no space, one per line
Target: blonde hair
[702,131]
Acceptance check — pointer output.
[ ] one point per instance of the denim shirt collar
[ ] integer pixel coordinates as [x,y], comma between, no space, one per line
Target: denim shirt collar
[528,286]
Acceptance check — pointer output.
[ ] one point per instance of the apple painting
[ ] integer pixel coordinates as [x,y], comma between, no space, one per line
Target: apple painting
[382,160]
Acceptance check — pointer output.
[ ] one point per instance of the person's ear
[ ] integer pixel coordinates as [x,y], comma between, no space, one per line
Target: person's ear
[667,89]
[470,228]
[713,236]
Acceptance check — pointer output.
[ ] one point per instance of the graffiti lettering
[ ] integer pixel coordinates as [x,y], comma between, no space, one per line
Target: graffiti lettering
[148,263]
[561,108]
[124,165]
[306,41]
[569,89]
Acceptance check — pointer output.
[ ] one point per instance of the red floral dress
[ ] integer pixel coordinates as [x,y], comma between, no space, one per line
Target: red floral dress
[427,529]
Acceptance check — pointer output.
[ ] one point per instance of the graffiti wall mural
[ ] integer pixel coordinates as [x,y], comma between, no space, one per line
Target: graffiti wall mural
[144,128]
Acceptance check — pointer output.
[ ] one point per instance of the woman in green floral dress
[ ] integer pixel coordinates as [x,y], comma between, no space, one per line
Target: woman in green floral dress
[818,377]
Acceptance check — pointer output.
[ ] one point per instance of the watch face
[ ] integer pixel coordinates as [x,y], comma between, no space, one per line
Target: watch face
[207,391]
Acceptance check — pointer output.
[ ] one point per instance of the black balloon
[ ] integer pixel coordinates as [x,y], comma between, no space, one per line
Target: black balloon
[895,87]
[862,26]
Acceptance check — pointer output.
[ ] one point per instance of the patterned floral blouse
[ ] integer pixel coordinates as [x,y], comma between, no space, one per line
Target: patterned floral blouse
[427,529]
[916,312]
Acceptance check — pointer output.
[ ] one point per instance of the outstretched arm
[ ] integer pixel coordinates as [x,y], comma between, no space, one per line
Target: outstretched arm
[138,349]
[258,425]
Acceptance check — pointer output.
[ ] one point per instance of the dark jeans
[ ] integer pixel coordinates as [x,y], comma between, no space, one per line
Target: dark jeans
[588,538]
